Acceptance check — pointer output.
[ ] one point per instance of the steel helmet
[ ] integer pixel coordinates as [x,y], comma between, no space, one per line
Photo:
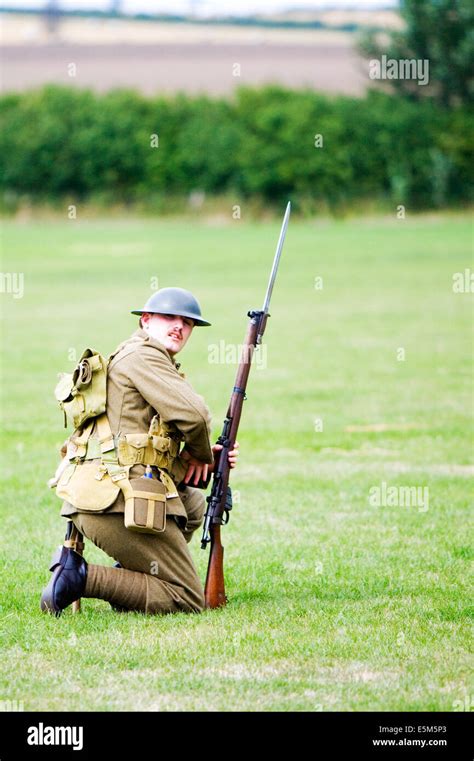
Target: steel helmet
[175,301]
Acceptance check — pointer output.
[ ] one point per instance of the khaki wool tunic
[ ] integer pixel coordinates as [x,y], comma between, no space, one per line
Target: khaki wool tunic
[142,380]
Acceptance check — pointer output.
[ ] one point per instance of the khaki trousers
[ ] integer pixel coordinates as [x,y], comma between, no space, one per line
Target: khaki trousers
[158,574]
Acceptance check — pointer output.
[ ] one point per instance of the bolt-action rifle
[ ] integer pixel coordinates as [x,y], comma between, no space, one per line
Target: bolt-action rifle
[219,501]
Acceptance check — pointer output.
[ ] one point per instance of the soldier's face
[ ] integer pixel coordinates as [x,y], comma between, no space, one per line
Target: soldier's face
[170,330]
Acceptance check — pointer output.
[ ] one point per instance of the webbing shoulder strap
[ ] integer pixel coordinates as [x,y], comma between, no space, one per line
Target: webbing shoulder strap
[104,433]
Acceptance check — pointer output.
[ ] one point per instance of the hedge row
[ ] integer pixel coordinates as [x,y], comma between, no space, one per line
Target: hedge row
[272,143]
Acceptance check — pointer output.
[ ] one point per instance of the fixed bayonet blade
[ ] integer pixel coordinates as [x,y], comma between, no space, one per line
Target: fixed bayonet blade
[276,260]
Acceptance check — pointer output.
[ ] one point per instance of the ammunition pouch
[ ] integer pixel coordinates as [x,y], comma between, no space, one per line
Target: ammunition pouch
[165,439]
[141,449]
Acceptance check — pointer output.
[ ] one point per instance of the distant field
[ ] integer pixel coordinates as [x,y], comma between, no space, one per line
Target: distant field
[168,57]
[334,603]
[189,68]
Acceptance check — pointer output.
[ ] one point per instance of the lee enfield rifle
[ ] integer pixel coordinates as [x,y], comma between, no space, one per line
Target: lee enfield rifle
[219,501]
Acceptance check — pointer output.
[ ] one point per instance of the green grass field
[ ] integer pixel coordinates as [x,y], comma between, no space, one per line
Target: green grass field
[334,604]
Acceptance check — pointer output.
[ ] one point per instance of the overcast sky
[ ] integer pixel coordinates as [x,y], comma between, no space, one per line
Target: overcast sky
[203,7]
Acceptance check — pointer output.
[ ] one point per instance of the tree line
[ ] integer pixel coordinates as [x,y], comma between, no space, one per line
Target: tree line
[271,143]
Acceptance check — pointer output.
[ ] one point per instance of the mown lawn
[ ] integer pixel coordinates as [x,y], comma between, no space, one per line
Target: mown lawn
[334,603]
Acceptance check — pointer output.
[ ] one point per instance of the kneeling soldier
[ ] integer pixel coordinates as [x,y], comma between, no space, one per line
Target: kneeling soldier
[118,479]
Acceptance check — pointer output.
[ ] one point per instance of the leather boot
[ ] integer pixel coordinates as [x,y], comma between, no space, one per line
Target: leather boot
[67,582]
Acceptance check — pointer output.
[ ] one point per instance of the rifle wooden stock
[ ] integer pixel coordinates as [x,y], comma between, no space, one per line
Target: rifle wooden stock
[214,591]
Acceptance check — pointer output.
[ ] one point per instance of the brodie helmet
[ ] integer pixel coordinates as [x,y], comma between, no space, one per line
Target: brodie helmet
[176,301]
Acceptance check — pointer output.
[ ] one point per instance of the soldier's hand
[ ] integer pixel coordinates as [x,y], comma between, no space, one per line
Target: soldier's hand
[196,468]
[200,470]
[233,454]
